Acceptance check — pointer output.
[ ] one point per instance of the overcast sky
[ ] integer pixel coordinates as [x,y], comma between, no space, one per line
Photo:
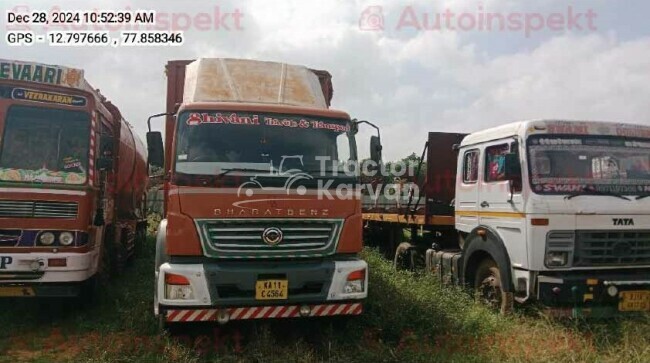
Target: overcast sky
[407,80]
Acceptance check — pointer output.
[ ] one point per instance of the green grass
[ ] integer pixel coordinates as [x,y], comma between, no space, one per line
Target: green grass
[409,318]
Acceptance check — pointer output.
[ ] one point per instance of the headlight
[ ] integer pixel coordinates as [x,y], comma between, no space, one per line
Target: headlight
[557,259]
[46,239]
[176,292]
[66,238]
[355,282]
[559,249]
[177,287]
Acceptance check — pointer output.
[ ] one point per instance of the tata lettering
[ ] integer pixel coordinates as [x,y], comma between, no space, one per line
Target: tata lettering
[623,221]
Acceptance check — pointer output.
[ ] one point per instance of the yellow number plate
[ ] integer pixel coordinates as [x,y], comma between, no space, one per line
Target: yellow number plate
[634,301]
[13,291]
[272,290]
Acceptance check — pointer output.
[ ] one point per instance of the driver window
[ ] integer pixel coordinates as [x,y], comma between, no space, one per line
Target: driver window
[495,157]
[495,162]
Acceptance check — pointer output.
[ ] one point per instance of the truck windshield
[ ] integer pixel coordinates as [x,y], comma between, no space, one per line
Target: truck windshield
[560,164]
[270,146]
[45,145]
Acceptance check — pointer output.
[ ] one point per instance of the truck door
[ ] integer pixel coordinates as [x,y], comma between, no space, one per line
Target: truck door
[500,209]
[467,190]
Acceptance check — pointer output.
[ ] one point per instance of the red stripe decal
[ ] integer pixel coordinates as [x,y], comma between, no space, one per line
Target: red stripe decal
[271,310]
[315,310]
[249,313]
[201,315]
[186,317]
[280,311]
[358,310]
[171,314]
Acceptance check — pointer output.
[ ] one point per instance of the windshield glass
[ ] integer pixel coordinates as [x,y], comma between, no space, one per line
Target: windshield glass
[45,145]
[271,146]
[569,164]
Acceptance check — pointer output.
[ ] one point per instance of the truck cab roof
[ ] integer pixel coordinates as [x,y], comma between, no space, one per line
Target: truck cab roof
[522,129]
[251,81]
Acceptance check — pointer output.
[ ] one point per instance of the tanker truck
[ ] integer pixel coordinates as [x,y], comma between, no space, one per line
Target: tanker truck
[550,211]
[245,233]
[73,177]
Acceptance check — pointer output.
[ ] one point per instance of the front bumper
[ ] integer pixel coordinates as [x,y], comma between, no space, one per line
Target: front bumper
[315,288]
[29,274]
[261,312]
[592,294]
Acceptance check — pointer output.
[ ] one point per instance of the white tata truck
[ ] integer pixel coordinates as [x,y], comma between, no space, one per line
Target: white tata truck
[551,211]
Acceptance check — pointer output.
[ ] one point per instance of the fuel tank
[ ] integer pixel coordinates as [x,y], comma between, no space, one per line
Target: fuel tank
[132,174]
[131,169]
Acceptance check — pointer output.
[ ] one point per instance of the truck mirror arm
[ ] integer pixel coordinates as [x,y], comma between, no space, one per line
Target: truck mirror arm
[156,116]
[357,122]
[375,141]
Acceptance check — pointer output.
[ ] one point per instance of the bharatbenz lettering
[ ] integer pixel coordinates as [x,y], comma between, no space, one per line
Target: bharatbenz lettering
[245,235]
[72,182]
[552,211]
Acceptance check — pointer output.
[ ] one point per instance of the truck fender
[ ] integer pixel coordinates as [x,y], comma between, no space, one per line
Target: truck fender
[161,241]
[490,245]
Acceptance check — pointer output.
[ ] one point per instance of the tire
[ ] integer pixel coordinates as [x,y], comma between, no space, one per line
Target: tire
[488,290]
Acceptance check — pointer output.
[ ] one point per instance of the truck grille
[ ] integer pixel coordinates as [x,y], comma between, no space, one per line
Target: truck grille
[242,238]
[38,209]
[607,248]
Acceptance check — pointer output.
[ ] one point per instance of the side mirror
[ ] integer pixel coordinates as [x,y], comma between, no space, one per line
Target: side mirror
[375,149]
[512,166]
[155,149]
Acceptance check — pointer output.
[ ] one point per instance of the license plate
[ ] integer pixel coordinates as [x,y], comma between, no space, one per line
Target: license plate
[271,290]
[14,291]
[634,301]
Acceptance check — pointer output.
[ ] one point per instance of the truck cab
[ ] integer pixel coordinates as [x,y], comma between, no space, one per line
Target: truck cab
[278,249]
[69,212]
[556,211]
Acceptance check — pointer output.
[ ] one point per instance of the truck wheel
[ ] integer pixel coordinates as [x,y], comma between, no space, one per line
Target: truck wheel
[488,290]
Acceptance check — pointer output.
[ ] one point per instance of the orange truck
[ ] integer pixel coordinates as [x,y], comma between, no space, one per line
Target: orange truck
[252,226]
[72,182]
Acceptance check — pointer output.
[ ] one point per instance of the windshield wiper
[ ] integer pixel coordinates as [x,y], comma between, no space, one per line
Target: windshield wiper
[227,171]
[642,196]
[596,192]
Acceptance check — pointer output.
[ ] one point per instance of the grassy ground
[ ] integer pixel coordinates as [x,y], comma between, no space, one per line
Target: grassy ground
[409,318]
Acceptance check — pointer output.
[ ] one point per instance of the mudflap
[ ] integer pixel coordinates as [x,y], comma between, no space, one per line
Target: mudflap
[446,266]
